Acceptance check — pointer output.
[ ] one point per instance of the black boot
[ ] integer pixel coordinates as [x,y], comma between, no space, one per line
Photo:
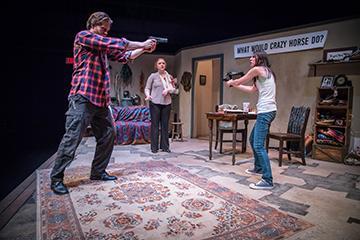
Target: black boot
[59,188]
[104,177]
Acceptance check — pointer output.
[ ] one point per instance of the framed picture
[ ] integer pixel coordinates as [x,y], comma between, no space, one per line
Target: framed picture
[338,54]
[202,80]
[327,81]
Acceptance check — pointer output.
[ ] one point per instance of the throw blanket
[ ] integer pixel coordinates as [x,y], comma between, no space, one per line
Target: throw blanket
[132,124]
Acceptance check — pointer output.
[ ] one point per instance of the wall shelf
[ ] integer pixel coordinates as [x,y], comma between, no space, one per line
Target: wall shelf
[334,68]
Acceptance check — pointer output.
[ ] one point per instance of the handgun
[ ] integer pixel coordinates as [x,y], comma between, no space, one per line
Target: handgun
[159,39]
[229,75]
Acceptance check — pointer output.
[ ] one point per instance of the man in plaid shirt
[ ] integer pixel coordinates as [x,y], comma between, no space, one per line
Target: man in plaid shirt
[89,96]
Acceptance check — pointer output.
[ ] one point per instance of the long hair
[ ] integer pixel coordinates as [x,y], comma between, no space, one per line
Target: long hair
[261,59]
[96,19]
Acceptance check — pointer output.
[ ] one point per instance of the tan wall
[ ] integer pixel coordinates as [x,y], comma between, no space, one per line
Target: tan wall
[143,63]
[294,87]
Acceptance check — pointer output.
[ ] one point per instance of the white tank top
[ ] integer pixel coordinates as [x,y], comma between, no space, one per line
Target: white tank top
[267,93]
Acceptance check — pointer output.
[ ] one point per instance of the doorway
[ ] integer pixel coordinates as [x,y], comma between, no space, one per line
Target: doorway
[207,91]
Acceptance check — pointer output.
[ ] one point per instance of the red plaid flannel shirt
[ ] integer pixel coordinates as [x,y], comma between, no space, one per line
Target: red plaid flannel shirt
[91,75]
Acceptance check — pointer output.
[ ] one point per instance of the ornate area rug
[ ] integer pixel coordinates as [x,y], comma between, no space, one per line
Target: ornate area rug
[154,200]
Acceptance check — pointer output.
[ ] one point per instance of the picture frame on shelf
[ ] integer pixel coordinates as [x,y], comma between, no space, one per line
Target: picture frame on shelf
[338,54]
[327,81]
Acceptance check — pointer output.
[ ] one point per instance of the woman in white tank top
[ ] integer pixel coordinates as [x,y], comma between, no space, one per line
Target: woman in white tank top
[264,83]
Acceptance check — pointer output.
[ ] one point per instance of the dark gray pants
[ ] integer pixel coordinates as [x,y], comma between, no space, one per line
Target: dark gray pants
[80,114]
[160,115]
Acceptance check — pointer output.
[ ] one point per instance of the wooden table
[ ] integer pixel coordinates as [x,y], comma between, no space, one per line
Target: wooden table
[230,117]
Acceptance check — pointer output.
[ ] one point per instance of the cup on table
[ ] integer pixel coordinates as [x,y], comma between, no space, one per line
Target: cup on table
[246,106]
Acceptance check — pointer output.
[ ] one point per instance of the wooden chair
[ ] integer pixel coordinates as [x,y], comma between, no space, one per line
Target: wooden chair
[226,127]
[294,137]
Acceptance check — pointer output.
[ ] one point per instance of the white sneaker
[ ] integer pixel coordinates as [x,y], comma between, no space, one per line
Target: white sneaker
[252,172]
[261,185]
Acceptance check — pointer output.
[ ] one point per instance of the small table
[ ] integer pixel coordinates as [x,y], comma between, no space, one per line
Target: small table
[231,117]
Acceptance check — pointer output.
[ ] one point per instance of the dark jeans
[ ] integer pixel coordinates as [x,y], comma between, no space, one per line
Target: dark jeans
[80,114]
[257,141]
[160,115]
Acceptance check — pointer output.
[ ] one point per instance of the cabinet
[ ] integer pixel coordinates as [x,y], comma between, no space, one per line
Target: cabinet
[332,123]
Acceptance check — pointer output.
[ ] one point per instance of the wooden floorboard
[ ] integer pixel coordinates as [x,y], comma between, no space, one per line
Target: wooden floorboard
[16,199]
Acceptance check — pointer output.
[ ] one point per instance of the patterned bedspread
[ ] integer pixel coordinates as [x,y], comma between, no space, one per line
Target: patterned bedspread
[132,124]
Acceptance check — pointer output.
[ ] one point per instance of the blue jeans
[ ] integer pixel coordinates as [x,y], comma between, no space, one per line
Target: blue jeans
[257,141]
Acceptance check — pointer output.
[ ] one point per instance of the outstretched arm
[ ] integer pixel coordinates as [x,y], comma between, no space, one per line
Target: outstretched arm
[253,72]
[248,89]
[120,56]
[137,52]
[98,42]
[148,44]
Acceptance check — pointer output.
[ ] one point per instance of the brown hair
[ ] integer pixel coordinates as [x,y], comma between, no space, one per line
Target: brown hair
[96,19]
[261,59]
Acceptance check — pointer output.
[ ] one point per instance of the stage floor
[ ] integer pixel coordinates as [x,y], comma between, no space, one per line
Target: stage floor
[324,194]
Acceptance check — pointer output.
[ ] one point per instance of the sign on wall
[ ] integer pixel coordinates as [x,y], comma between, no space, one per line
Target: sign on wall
[284,44]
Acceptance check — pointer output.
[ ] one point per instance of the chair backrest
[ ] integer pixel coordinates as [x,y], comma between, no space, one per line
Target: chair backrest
[297,125]
[298,120]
